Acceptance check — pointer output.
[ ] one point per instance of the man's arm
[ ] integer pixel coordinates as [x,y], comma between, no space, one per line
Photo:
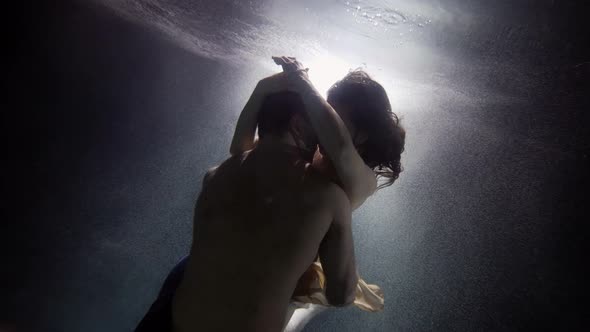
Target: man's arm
[337,253]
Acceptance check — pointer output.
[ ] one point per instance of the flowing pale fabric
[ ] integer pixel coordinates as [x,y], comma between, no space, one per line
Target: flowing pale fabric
[311,290]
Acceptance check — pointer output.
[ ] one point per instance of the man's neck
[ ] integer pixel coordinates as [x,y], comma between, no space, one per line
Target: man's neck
[324,166]
[279,145]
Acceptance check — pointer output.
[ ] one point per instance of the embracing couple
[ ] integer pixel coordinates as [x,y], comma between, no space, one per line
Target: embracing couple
[272,240]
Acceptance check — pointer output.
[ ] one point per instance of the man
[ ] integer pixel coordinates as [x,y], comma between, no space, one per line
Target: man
[261,219]
[360,138]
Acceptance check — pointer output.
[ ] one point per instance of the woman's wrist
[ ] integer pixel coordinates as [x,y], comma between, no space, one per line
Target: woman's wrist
[260,91]
[306,89]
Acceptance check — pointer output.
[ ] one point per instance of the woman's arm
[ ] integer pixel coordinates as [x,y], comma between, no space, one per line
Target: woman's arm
[243,139]
[357,179]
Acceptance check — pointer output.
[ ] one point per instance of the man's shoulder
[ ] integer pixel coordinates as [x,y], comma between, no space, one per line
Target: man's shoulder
[326,188]
[209,174]
[231,163]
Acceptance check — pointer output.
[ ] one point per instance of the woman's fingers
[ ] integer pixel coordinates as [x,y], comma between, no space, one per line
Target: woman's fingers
[281,60]
[278,60]
[285,59]
[294,75]
[289,63]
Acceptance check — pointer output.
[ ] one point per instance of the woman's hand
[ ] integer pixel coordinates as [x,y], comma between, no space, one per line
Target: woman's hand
[273,84]
[293,78]
[297,77]
[244,135]
[289,64]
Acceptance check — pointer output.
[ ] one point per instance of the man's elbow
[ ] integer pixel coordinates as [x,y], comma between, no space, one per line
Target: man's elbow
[235,149]
[341,300]
[358,194]
[357,200]
[359,183]
[342,296]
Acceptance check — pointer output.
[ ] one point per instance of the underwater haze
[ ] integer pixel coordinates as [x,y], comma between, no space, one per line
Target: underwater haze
[130,102]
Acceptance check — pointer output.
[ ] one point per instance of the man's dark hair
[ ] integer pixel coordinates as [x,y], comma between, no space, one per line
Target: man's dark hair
[370,111]
[276,113]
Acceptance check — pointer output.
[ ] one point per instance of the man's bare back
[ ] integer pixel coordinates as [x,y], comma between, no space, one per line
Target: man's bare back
[260,221]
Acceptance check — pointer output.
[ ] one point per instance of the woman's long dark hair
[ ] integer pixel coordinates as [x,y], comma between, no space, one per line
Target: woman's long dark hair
[370,111]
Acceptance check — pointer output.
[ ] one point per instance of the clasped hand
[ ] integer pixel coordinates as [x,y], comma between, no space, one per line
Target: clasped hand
[293,78]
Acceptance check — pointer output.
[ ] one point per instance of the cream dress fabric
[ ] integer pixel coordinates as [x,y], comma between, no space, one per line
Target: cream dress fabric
[309,298]
[311,290]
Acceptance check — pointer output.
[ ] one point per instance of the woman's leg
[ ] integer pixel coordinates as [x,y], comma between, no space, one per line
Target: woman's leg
[299,317]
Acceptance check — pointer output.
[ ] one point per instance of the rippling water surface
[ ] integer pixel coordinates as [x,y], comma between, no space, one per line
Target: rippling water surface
[460,242]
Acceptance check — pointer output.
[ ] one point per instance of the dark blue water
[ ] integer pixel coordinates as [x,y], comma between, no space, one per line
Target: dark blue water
[128,103]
